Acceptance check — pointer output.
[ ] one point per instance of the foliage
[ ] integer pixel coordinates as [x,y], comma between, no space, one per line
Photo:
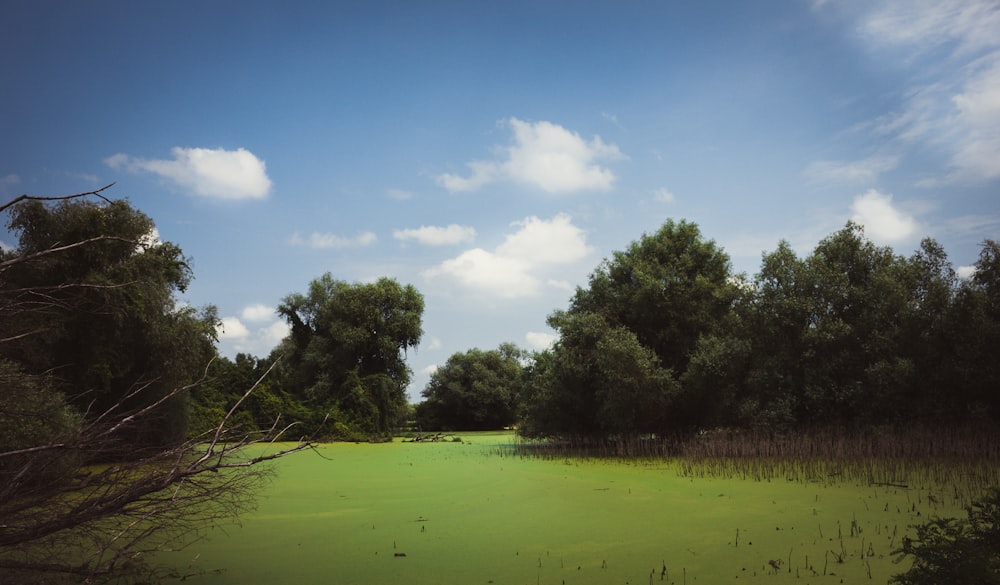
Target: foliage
[96,366]
[345,355]
[475,390]
[88,294]
[948,550]
[627,340]
[851,336]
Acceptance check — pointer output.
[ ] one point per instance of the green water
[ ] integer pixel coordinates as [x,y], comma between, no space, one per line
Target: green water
[462,514]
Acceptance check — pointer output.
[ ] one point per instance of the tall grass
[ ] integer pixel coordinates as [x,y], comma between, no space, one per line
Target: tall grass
[965,458]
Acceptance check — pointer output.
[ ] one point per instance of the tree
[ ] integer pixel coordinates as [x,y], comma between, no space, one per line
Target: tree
[627,340]
[973,332]
[475,390]
[597,381]
[79,497]
[668,288]
[102,260]
[948,550]
[346,350]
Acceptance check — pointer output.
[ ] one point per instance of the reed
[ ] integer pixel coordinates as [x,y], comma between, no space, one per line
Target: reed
[965,458]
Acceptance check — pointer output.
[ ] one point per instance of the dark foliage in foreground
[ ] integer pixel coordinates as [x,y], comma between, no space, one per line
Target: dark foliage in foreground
[948,550]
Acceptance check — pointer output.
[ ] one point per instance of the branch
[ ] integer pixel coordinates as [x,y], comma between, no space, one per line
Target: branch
[35,255]
[20,198]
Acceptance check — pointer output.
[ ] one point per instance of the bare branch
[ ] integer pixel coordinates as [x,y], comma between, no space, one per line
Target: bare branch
[20,198]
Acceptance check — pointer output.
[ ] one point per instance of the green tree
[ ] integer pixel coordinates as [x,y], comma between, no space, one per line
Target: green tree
[974,334]
[88,488]
[103,261]
[474,390]
[949,550]
[669,288]
[346,350]
[627,340]
[597,381]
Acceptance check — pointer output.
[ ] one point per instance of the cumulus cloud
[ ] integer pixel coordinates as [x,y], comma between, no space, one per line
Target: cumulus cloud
[429,370]
[957,107]
[965,272]
[544,155]
[883,221]
[266,332]
[258,313]
[321,241]
[232,328]
[511,271]
[218,173]
[860,171]
[540,340]
[437,236]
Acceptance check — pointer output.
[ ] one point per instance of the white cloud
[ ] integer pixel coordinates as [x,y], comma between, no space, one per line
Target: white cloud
[429,370]
[325,241]
[664,195]
[511,270]
[232,328]
[965,272]
[258,313]
[235,337]
[926,24]
[860,171]
[432,343]
[546,156]
[219,173]
[556,241]
[539,340]
[954,101]
[883,221]
[504,277]
[438,236]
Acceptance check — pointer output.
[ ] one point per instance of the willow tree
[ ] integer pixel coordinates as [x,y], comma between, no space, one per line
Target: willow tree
[346,352]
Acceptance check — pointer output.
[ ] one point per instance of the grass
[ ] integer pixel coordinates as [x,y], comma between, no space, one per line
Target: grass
[469,512]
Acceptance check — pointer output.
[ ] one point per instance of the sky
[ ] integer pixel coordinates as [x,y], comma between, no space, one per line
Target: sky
[492,154]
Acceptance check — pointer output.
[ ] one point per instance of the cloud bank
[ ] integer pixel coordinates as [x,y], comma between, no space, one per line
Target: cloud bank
[215,173]
[543,155]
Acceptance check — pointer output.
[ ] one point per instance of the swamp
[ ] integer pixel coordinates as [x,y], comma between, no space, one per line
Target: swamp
[488,509]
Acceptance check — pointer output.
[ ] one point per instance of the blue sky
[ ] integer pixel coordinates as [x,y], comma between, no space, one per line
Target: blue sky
[492,154]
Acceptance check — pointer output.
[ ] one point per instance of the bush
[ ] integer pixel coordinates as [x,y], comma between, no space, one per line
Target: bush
[952,550]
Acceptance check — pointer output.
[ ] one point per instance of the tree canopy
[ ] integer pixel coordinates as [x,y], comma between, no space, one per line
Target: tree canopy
[627,339]
[665,340]
[100,313]
[345,355]
[474,390]
[97,364]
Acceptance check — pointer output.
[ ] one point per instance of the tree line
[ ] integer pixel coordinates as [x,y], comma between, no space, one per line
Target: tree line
[114,392]
[666,340]
[122,430]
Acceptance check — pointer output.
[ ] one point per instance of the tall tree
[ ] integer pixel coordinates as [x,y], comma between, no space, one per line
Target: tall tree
[627,340]
[102,259]
[88,491]
[974,333]
[346,350]
[474,390]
